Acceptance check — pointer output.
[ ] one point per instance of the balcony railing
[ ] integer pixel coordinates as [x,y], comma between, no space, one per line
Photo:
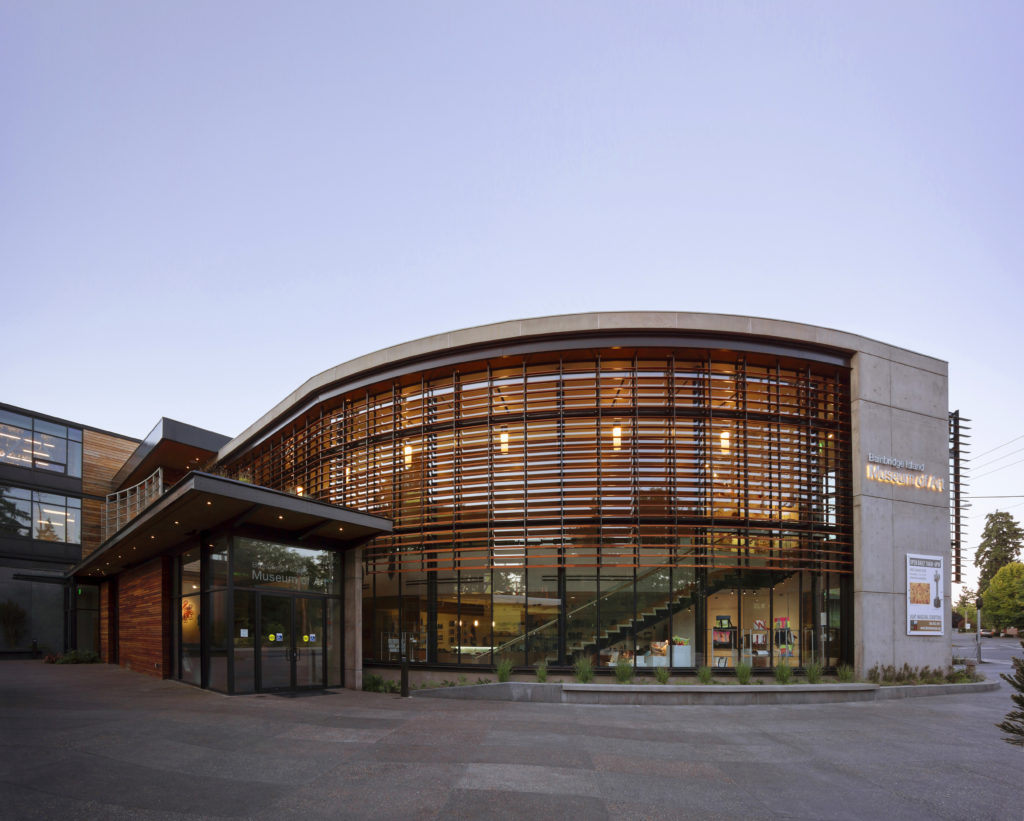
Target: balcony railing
[125,505]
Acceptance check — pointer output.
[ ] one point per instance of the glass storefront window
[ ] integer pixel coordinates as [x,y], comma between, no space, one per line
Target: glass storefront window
[510,615]
[476,617]
[34,443]
[191,640]
[190,613]
[415,613]
[581,612]
[449,632]
[543,607]
[48,517]
[244,639]
[218,564]
[675,479]
[756,620]
[723,619]
[218,651]
[786,621]
[265,564]
[15,511]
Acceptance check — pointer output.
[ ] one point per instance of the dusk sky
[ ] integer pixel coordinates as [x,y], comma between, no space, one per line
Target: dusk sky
[203,204]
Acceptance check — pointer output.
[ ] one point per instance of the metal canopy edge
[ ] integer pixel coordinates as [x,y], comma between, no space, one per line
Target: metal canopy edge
[202,502]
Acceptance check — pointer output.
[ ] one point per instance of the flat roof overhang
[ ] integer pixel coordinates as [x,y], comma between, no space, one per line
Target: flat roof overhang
[172,444]
[202,502]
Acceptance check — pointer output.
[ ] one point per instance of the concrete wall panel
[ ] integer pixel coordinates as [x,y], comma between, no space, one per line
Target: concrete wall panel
[872,569]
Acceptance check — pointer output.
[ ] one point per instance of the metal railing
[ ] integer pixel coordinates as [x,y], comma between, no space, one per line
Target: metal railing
[125,505]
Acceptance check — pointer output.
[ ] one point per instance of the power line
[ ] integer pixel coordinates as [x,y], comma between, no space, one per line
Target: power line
[993,461]
[979,455]
[996,470]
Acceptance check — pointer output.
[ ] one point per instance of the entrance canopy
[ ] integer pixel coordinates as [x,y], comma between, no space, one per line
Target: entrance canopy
[202,502]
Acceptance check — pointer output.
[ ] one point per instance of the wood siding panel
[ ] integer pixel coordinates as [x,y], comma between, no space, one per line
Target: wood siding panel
[108,620]
[103,454]
[92,525]
[144,624]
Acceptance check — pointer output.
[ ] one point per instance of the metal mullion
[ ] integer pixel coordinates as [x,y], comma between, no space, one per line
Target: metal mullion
[457,508]
[709,453]
[746,460]
[490,493]
[562,621]
[526,520]
[635,492]
[600,499]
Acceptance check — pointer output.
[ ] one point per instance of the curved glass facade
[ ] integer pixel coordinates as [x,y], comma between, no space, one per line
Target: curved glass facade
[672,506]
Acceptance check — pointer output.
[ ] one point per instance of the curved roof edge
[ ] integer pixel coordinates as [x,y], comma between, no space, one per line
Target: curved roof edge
[573,324]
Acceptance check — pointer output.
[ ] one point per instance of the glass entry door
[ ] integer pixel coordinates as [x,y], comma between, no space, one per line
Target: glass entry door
[291,642]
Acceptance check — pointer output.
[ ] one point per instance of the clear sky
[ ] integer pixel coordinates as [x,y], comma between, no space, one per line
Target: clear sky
[202,204]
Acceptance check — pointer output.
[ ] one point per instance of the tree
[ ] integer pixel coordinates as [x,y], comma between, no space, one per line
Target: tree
[1004,598]
[14,517]
[1013,724]
[965,605]
[967,598]
[1000,544]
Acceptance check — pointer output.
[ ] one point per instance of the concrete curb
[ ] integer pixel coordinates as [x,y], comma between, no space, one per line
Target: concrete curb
[675,694]
[908,691]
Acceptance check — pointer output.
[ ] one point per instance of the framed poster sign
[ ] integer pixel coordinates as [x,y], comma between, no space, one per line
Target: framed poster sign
[924,595]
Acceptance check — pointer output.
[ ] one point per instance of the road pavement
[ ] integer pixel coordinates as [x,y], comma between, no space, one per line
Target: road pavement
[99,742]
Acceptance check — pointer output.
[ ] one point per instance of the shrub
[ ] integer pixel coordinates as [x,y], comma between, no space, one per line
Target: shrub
[743,672]
[845,673]
[78,657]
[504,669]
[542,670]
[623,670]
[1013,724]
[783,673]
[391,686]
[661,674]
[373,683]
[813,673]
[704,674]
[584,670]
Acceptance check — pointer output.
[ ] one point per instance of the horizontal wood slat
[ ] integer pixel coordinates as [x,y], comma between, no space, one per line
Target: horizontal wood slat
[103,454]
[144,625]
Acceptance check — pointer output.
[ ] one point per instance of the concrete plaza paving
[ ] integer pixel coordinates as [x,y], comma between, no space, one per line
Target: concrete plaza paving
[98,742]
